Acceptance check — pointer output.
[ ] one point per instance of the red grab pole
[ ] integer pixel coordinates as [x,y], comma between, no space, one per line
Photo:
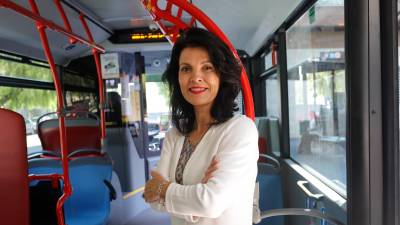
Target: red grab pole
[61,116]
[197,14]
[99,78]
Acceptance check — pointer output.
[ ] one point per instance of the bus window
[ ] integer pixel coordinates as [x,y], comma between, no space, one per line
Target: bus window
[15,69]
[157,98]
[31,104]
[78,80]
[273,96]
[81,101]
[273,103]
[317,96]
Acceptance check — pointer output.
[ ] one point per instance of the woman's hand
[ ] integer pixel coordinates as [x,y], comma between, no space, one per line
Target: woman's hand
[211,169]
[152,192]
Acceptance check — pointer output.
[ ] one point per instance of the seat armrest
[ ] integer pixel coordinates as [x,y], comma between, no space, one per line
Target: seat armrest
[113,193]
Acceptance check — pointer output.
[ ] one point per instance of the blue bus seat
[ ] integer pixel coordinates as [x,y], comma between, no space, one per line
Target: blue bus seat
[89,203]
[14,193]
[44,194]
[40,166]
[269,178]
[270,188]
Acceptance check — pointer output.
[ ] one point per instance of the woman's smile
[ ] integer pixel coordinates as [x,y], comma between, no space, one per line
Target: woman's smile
[197,90]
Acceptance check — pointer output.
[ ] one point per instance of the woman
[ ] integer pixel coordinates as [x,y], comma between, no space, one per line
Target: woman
[208,166]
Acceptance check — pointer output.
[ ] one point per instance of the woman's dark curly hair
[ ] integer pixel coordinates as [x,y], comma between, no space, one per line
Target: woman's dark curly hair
[227,68]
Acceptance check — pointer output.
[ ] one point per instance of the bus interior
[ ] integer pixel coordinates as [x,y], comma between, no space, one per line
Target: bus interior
[320,80]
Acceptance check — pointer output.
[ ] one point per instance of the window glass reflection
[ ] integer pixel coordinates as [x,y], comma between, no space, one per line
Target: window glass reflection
[273,103]
[317,96]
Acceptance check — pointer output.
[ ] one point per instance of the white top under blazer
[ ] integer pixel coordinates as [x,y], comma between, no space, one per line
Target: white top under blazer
[227,198]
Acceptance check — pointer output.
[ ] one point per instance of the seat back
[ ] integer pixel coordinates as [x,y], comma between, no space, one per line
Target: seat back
[269,176]
[40,166]
[82,133]
[90,200]
[273,136]
[14,197]
[270,190]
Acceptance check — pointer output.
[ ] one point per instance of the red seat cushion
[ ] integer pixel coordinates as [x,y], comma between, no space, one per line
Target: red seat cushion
[262,148]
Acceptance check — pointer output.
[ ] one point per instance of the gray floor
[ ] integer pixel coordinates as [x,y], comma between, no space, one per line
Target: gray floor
[150,217]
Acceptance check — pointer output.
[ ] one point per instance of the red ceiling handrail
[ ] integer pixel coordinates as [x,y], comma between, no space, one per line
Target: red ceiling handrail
[47,23]
[172,33]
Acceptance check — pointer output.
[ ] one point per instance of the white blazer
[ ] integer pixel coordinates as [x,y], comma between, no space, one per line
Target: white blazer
[227,198]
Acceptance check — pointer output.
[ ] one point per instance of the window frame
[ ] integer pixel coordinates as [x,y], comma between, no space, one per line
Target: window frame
[390,105]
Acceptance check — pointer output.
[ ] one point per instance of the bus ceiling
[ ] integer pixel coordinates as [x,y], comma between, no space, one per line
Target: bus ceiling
[247,24]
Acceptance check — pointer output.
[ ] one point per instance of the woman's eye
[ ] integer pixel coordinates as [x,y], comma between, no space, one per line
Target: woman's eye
[185,69]
[209,68]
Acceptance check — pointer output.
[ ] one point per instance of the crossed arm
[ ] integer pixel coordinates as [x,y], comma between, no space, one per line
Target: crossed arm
[156,188]
[224,179]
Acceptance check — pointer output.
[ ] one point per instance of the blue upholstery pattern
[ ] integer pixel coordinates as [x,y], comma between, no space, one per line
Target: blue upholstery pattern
[89,203]
[271,195]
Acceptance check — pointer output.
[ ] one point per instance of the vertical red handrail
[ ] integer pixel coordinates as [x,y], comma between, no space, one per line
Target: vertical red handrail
[157,14]
[99,78]
[274,54]
[61,116]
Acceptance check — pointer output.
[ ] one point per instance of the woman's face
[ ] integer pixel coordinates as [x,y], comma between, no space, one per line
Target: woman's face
[198,78]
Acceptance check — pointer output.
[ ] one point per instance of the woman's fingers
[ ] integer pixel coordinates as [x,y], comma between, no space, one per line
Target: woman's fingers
[150,191]
[207,178]
[156,175]
[214,160]
[150,198]
[213,165]
[209,174]
[210,170]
